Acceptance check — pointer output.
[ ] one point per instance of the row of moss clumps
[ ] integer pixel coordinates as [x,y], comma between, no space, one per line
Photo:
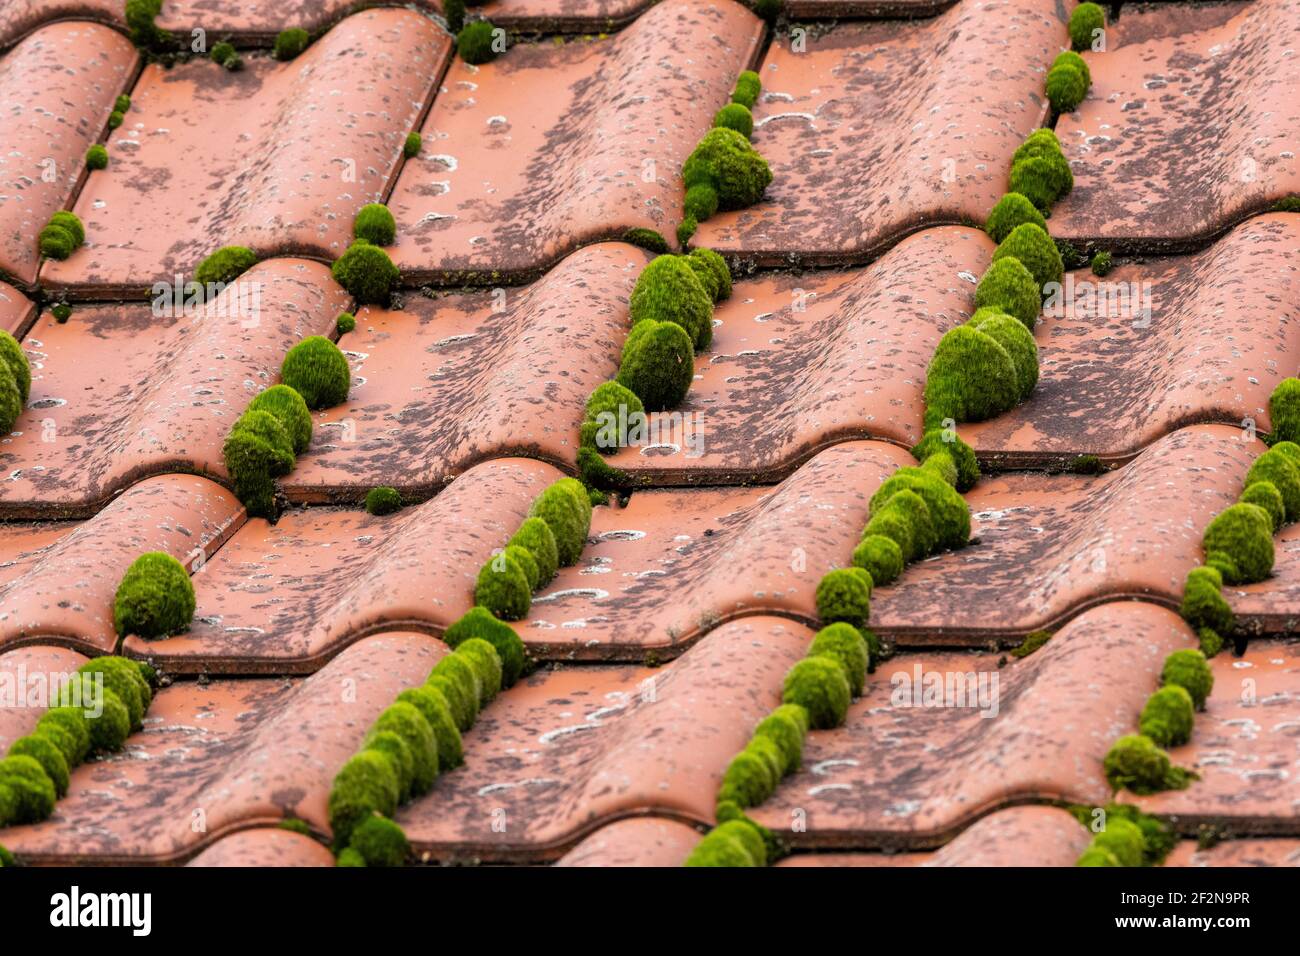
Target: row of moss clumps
[97,153]
[1239,541]
[266,439]
[724,171]
[15,381]
[35,772]
[1137,762]
[1069,79]
[417,737]
[551,537]
[1127,837]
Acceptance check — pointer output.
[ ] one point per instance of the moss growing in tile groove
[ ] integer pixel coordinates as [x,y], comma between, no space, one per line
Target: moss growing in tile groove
[727,161]
[1032,642]
[14,360]
[295,825]
[478,622]
[140,15]
[464,711]
[477,42]
[1284,410]
[1135,763]
[1122,840]
[407,722]
[366,272]
[412,145]
[1239,543]
[786,727]
[942,440]
[97,157]
[906,511]
[155,598]
[391,745]
[609,407]
[1043,144]
[1167,717]
[686,228]
[225,55]
[1010,288]
[1012,210]
[317,370]
[566,508]
[61,312]
[658,363]
[225,265]
[483,657]
[948,510]
[350,858]
[845,644]
[375,224]
[454,11]
[844,594]
[290,43]
[646,239]
[1266,496]
[446,735]
[290,410]
[668,290]
[735,116]
[524,558]
[1277,467]
[1012,335]
[718,266]
[110,729]
[727,846]
[1097,856]
[345,323]
[1036,251]
[461,673]
[701,202]
[535,536]
[1085,21]
[880,557]
[33,791]
[6,858]
[1065,88]
[380,842]
[502,587]
[367,784]
[1203,602]
[55,242]
[1188,669]
[748,779]
[971,377]
[1071,58]
[818,685]
[383,501]
[122,677]
[48,755]
[256,452]
[748,86]
[70,727]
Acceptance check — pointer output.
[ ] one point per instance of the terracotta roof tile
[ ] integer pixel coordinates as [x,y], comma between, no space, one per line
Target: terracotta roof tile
[1276,852]
[634,841]
[16,310]
[29,673]
[265,846]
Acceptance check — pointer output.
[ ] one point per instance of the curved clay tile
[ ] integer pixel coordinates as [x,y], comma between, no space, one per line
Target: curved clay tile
[224,756]
[867,142]
[674,564]
[1192,123]
[285,598]
[20,18]
[1016,836]
[566,751]
[905,774]
[15,309]
[635,841]
[265,846]
[165,402]
[834,9]
[1276,852]
[57,88]
[1244,747]
[28,675]
[57,580]
[277,157]
[442,383]
[1221,332]
[552,146]
[799,362]
[1050,546]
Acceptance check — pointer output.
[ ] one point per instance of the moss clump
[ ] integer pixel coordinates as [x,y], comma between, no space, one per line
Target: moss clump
[350,858]
[646,239]
[225,55]
[1032,642]
[123,678]
[735,116]
[383,501]
[658,363]
[1085,21]
[845,644]
[1122,840]
[367,784]
[1032,178]
[56,242]
[478,622]
[502,587]
[483,657]
[718,266]
[1071,58]
[726,845]
[32,789]
[115,119]
[459,683]
[454,11]
[1097,856]
[14,359]
[535,537]
[1043,144]
[392,746]
[566,508]
[407,722]
[1065,88]
[70,729]
[818,685]
[366,272]
[437,712]
[48,755]
[1167,717]
[748,86]
[295,825]
[786,727]
[256,452]
[1189,670]
[524,558]
[947,509]
[701,202]
[1210,641]
[289,409]
[1135,763]
[1264,494]
[1015,337]
[844,594]
[345,323]
[726,161]
[971,377]
[1036,252]
[668,290]
[154,599]
[1010,288]
[140,16]
[375,224]
[1278,468]
[1284,410]
[380,842]
[108,731]
[938,441]
[608,409]
[317,370]
[1239,543]
[880,557]
[61,312]
[97,157]
[1101,264]
[1203,602]
[1012,210]
[225,265]
[412,146]
[291,42]
[750,778]
[474,43]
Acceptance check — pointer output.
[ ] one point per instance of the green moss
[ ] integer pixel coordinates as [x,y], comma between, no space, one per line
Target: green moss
[1086,19]
[728,162]
[123,678]
[1035,250]
[48,755]
[1013,335]
[844,643]
[288,408]
[566,508]
[225,265]
[108,731]
[1065,88]
[317,370]
[61,312]
[524,558]
[1284,410]
[411,147]
[383,500]
[1122,840]
[407,722]
[658,363]
[454,11]
[646,239]
[502,587]
[748,86]
[1043,144]
[462,672]
[154,599]
[1135,763]
[1203,602]
[718,266]
[380,842]
[13,356]
[97,157]
[686,228]
[937,441]
[818,685]
[1097,856]
[748,779]
[140,16]
[1033,178]
[1239,542]
[350,858]
[880,557]
[1010,288]
[6,858]
[295,825]
[33,790]
[291,42]
[478,622]
[1167,717]
[366,272]
[483,657]
[668,290]
[1210,641]
[700,203]
[971,377]
[735,116]
[225,55]
[391,745]
[437,712]
[1101,264]
[1264,494]
[367,784]
[1032,642]
[257,451]
[474,42]
[1287,204]
[1277,467]
[947,510]
[1012,210]
[375,224]
[786,727]
[56,243]
[1189,670]
[721,847]
[608,408]
[115,119]
[345,323]
[69,727]
[535,537]
[1071,58]
[844,594]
